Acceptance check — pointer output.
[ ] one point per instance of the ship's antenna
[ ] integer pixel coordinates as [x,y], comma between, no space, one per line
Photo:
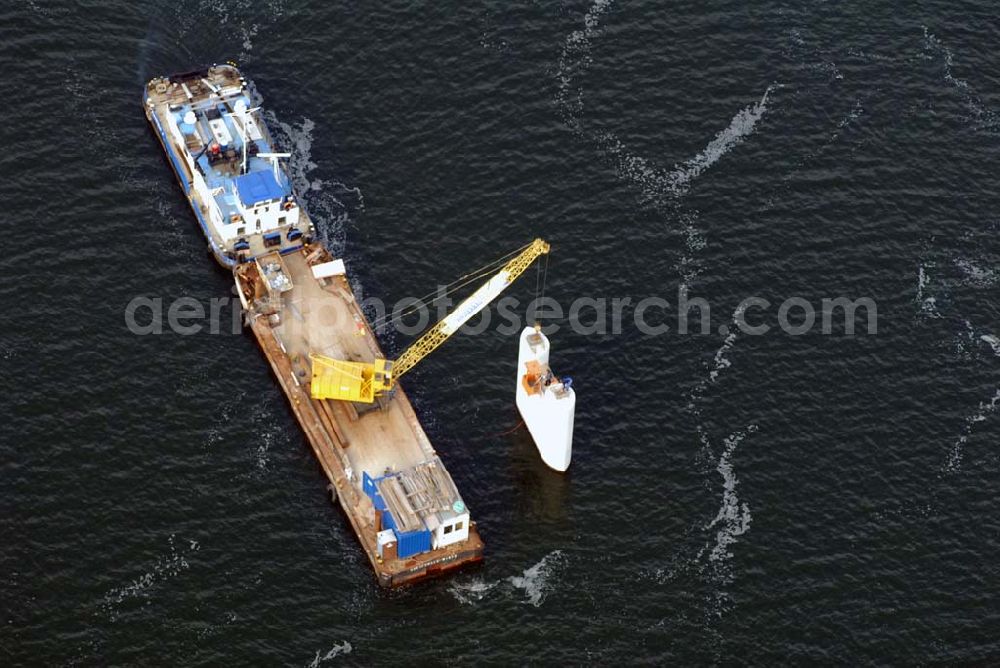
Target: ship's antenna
[242,113]
[274,157]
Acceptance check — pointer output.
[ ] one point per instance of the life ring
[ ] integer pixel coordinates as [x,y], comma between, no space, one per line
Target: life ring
[161,88]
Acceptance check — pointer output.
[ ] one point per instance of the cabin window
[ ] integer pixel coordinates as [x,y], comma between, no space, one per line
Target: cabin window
[458,526]
[448,529]
[282,220]
[241,231]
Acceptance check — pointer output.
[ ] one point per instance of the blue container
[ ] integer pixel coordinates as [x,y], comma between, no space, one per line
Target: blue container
[368,485]
[412,542]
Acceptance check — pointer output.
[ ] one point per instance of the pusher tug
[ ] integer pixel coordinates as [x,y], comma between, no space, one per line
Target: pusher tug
[401,502]
[547,404]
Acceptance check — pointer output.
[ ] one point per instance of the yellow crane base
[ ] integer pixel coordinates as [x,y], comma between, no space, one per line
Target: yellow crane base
[348,381]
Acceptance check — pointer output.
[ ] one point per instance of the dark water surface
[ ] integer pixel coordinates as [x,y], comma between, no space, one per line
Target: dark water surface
[737,500]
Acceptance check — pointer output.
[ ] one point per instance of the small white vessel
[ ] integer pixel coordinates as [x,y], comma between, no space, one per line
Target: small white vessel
[546,402]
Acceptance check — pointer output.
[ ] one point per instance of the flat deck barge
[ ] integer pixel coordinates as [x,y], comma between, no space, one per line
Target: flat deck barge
[396,493]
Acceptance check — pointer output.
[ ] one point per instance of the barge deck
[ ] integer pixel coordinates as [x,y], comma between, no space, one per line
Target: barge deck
[322,315]
[396,493]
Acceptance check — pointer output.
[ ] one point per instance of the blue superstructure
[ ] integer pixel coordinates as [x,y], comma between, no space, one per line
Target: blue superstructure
[258,187]
[225,159]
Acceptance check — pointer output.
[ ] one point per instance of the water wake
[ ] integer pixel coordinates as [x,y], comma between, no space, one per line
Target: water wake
[575,59]
[740,127]
[721,362]
[976,275]
[711,563]
[166,567]
[536,582]
[244,17]
[343,648]
[986,409]
[664,190]
[732,521]
[472,592]
[992,341]
[657,187]
[733,518]
[330,202]
[983,117]
[928,304]
[982,413]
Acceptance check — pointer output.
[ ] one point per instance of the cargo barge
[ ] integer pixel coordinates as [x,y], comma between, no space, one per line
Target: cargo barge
[393,487]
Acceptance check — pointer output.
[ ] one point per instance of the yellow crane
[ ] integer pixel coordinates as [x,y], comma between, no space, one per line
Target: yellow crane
[363,381]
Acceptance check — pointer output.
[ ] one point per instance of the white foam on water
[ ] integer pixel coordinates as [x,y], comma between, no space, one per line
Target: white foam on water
[657,186]
[976,275]
[733,518]
[721,362]
[663,190]
[325,200]
[165,567]
[342,649]
[965,341]
[268,433]
[652,184]
[740,127]
[689,266]
[928,304]
[732,521]
[575,58]
[470,593]
[986,409]
[299,141]
[43,11]
[248,33]
[979,112]
[854,114]
[857,111]
[812,58]
[229,409]
[244,17]
[993,342]
[228,619]
[536,582]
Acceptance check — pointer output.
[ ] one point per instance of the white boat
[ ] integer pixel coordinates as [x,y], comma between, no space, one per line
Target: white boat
[223,155]
[546,403]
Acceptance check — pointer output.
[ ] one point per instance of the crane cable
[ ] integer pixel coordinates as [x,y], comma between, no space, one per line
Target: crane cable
[457,284]
[545,277]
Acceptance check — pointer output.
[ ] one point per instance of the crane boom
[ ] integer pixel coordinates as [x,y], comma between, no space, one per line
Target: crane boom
[362,381]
